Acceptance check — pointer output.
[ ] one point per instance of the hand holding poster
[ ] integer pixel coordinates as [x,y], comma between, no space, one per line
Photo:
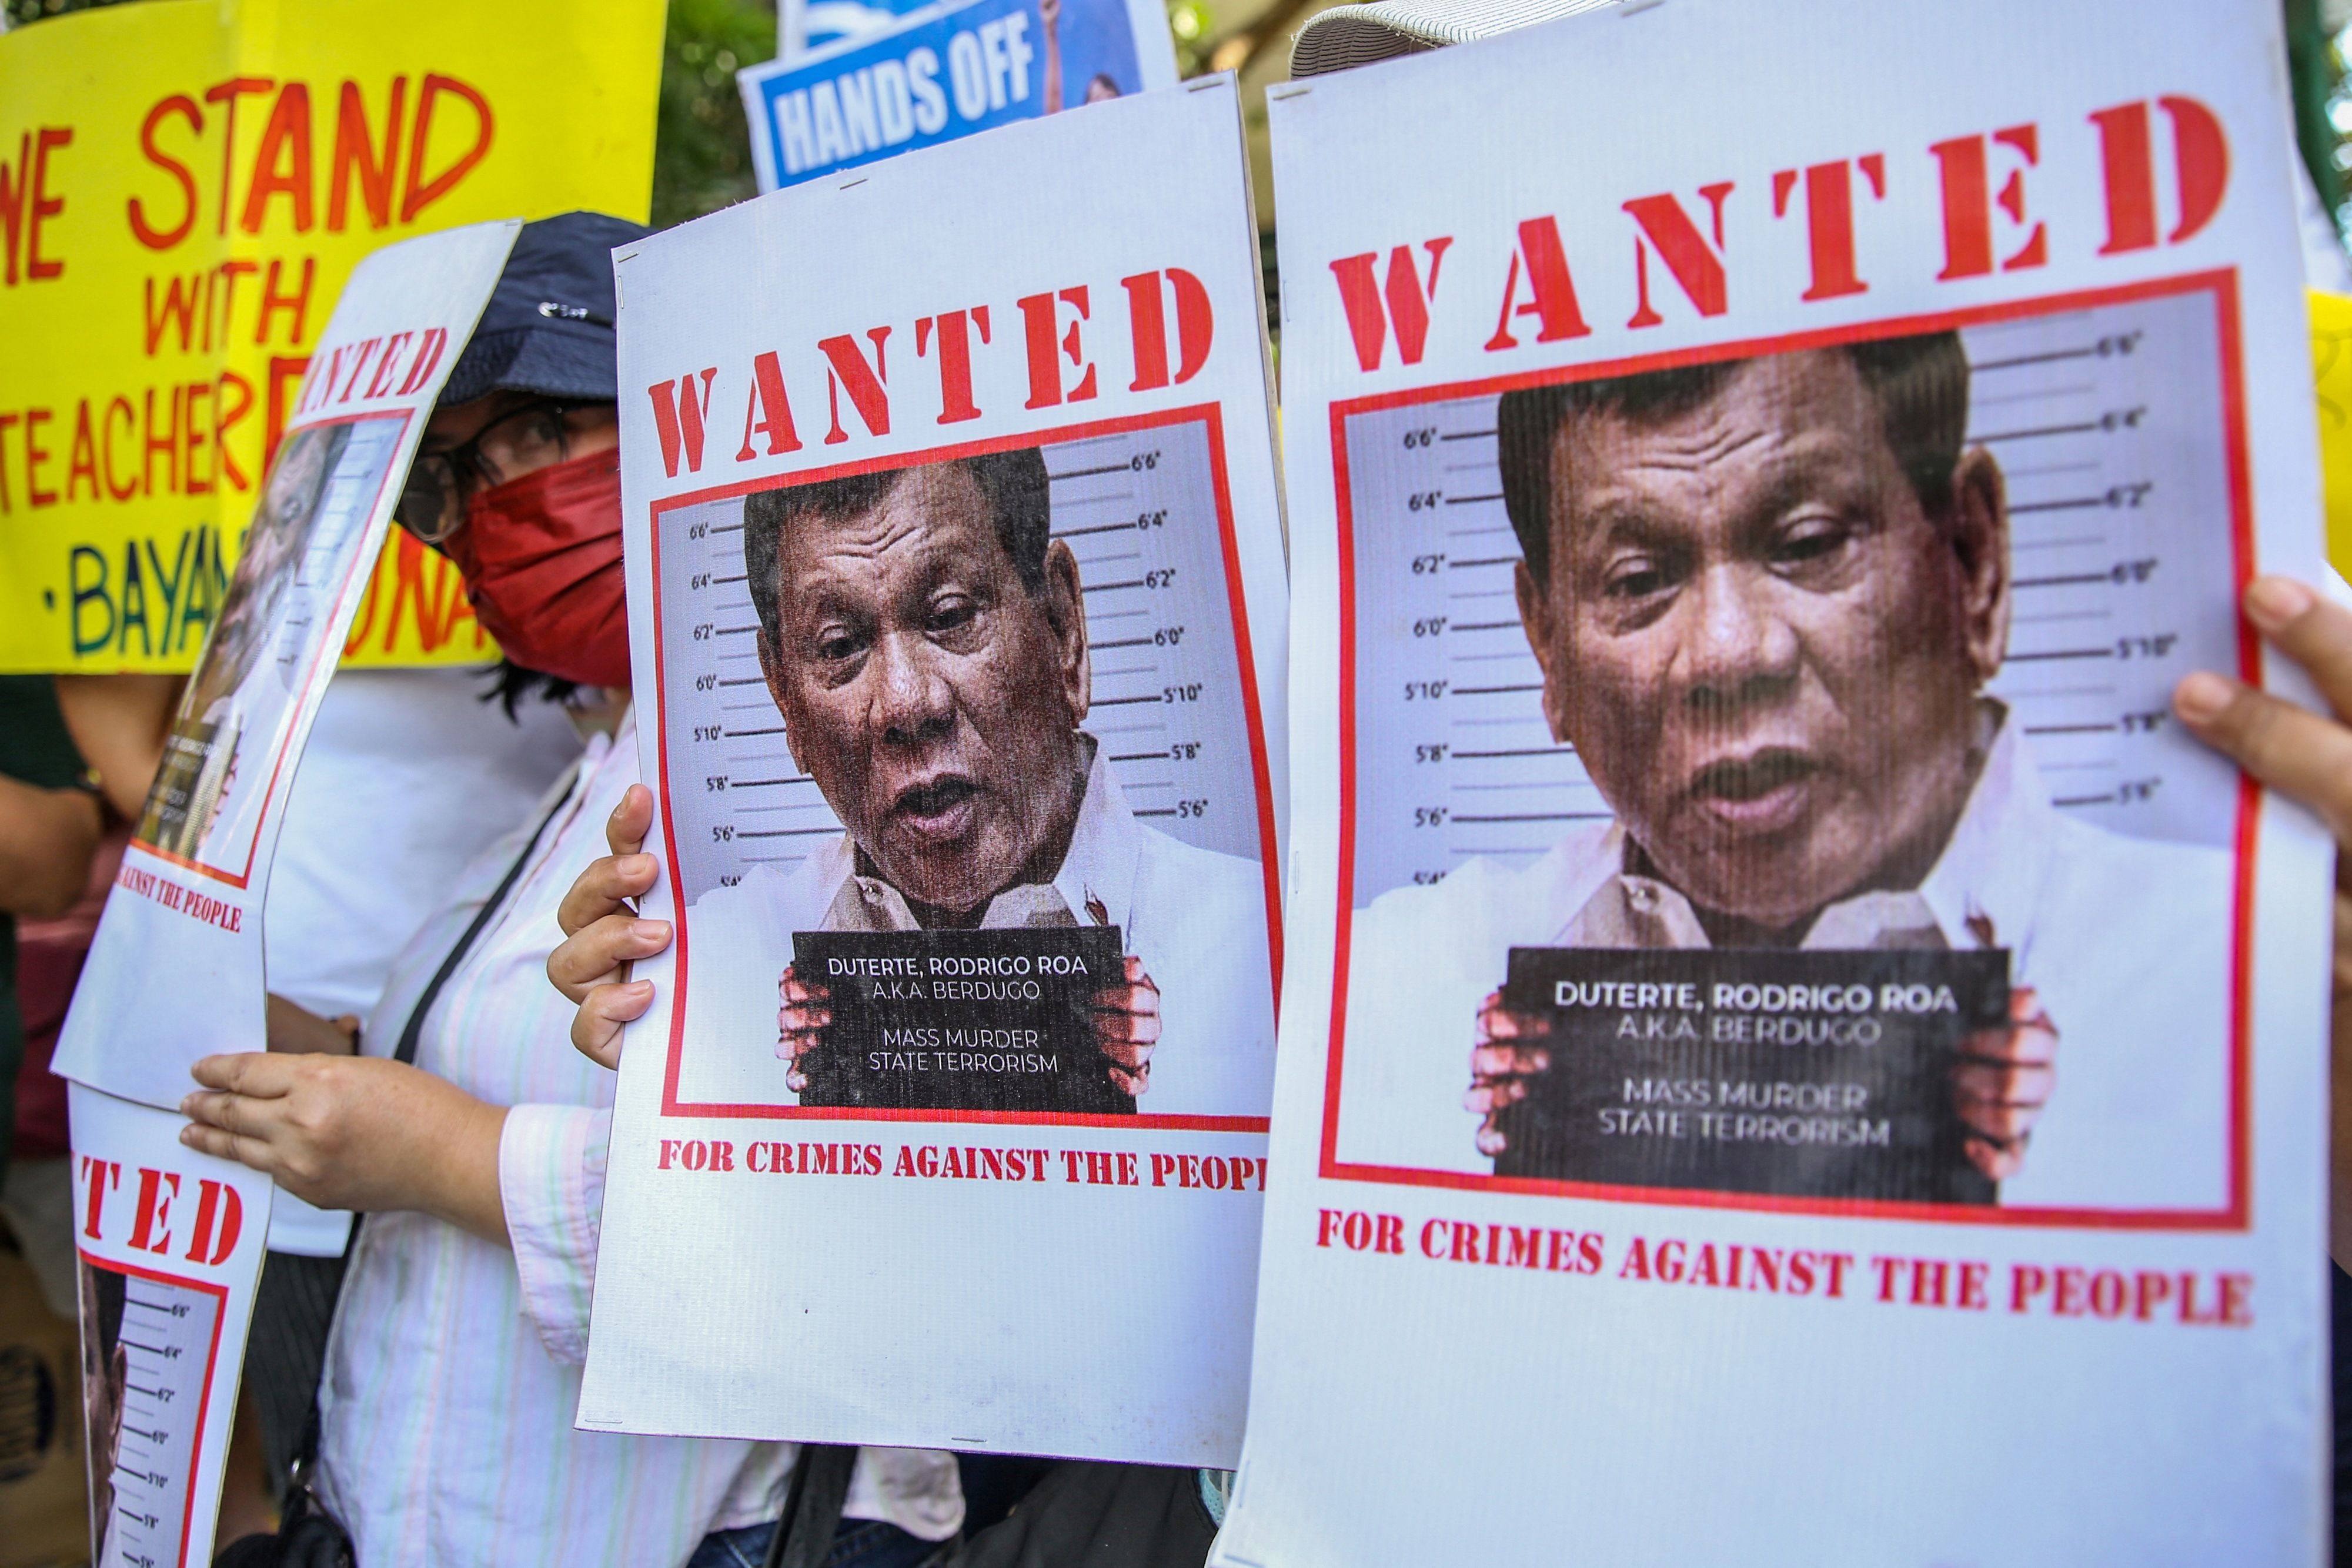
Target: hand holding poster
[170,1246]
[174,972]
[1757,911]
[959,635]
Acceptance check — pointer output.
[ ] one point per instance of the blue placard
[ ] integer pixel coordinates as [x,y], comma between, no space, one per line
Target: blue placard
[949,71]
[826,23]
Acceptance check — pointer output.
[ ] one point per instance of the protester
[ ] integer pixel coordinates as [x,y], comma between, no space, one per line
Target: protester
[405,777]
[50,819]
[2306,757]
[36,1189]
[445,1412]
[118,724]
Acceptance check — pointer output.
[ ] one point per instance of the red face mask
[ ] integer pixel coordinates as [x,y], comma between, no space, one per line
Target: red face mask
[541,559]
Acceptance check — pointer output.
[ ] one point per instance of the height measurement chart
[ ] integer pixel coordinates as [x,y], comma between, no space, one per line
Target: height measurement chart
[163,1362]
[1123,532]
[2101,421]
[170,1245]
[1137,510]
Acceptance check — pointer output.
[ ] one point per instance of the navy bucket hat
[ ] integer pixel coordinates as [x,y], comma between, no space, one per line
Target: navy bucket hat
[548,327]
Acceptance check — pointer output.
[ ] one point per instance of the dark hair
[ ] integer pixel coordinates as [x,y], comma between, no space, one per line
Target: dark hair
[1012,484]
[107,1295]
[1920,384]
[511,685]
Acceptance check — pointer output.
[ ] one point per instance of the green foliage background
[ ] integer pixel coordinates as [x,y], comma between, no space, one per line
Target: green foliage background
[702,149]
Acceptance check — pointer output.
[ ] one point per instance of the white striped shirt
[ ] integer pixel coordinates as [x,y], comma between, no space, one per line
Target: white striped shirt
[454,1366]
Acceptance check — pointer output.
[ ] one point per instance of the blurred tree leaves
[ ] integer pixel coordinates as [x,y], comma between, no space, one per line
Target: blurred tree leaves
[702,149]
[1191,22]
[19,11]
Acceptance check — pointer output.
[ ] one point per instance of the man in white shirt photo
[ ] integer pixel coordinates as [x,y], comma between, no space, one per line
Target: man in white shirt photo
[924,639]
[1765,597]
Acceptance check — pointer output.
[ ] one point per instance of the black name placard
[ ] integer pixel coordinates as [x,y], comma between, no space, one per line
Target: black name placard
[176,816]
[1816,1074]
[962,1021]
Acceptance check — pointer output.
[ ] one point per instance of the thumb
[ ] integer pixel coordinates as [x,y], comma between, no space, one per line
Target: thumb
[626,830]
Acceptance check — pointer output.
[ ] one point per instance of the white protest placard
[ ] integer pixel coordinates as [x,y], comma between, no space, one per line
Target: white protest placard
[176,971]
[1790,1055]
[170,1244]
[957,599]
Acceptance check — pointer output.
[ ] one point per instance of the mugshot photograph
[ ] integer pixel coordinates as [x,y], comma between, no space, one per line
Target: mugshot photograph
[231,711]
[1766,598]
[105,1370]
[923,637]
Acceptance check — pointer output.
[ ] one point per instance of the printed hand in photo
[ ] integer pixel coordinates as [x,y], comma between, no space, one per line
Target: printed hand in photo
[2306,757]
[2002,1081]
[1127,1025]
[1509,1049]
[1999,1084]
[601,934]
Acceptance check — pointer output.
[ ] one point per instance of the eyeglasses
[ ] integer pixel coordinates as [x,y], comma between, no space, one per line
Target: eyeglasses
[432,502]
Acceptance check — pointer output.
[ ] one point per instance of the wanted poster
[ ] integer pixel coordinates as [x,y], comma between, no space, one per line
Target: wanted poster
[956,583]
[175,973]
[1773,996]
[170,1244]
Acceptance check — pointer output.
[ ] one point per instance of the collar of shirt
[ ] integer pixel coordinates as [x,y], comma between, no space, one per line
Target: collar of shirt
[1095,885]
[1980,893]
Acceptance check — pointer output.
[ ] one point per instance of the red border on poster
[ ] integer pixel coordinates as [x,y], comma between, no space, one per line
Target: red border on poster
[212,1363]
[2235,1215]
[1208,414]
[361,564]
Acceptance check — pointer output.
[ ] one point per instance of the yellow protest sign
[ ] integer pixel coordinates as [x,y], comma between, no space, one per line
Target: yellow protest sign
[2331,363]
[184,186]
